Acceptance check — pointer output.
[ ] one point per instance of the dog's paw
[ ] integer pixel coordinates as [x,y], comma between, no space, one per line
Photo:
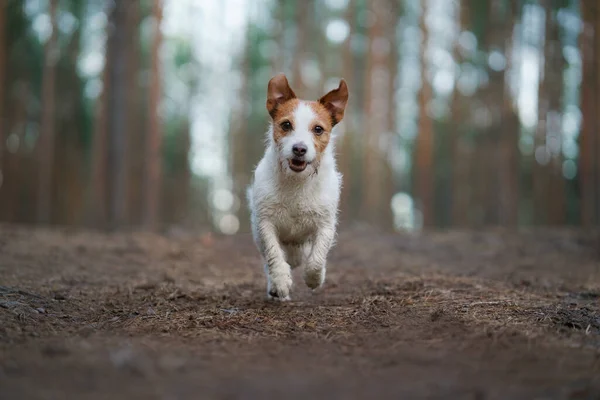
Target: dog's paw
[314,277]
[280,286]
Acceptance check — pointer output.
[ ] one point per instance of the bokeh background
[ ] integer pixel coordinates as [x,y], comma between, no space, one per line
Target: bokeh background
[151,113]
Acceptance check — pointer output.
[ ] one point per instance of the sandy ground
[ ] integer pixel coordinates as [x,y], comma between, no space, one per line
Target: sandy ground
[473,315]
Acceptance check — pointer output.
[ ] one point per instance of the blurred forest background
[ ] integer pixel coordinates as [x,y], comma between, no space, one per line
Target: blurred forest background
[151,113]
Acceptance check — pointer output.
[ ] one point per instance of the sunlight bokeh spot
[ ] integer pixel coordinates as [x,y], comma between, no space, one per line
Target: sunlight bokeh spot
[67,23]
[42,27]
[497,61]
[337,30]
[569,169]
[229,224]
[570,148]
[542,155]
[468,42]
[13,142]
[443,82]
[222,200]
[526,145]
[404,213]
[337,4]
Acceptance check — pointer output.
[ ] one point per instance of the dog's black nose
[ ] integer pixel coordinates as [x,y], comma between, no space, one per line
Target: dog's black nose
[299,149]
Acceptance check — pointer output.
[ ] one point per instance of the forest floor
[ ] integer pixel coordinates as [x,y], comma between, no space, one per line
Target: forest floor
[474,315]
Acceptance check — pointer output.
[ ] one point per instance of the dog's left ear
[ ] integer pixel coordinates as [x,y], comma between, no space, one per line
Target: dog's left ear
[335,101]
[278,92]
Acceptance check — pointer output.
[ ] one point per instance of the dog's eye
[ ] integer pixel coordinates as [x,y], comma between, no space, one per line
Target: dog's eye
[286,126]
[318,130]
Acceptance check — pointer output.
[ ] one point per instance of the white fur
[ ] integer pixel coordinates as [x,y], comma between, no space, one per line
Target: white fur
[294,215]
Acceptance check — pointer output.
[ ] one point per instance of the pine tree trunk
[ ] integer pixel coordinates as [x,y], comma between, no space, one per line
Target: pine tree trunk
[391,186]
[97,212]
[553,75]
[302,12]
[377,110]
[424,179]
[3,84]
[47,133]
[345,144]
[240,138]
[510,128]
[460,152]
[589,106]
[153,153]
[135,107]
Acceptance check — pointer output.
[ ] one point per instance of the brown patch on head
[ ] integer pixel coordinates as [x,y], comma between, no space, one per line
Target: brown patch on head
[284,112]
[325,121]
[281,102]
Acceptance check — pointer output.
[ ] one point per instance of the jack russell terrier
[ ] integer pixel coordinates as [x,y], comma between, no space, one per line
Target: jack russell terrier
[294,196]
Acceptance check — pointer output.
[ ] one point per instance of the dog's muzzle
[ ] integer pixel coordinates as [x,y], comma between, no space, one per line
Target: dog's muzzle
[297,164]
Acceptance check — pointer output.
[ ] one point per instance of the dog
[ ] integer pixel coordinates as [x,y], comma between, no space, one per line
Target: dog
[294,194]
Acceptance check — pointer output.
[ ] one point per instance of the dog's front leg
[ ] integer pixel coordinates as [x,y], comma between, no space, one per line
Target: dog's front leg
[315,267]
[278,271]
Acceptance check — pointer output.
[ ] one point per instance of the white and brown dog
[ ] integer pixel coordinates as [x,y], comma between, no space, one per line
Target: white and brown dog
[294,196]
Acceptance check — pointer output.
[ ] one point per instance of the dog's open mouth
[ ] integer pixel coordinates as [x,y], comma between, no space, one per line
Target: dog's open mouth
[297,165]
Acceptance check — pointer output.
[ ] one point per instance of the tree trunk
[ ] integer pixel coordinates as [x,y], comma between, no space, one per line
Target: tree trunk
[596,147]
[509,130]
[98,197]
[3,83]
[47,133]
[346,148]
[391,186]
[459,148]
[589,106]
[153,153]
[240,139]
[70,152]
[553,74]
[302,11]
[135,107]
[424,179]
[117,117]
[377,109]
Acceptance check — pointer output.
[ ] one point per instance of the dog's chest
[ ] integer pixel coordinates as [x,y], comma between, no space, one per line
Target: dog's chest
[297,220]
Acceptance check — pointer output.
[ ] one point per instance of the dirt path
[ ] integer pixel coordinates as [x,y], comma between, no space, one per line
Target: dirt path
[487,315]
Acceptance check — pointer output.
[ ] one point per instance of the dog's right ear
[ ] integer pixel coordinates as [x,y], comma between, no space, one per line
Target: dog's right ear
[278,92]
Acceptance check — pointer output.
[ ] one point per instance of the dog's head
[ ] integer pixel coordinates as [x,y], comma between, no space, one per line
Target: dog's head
[301,130]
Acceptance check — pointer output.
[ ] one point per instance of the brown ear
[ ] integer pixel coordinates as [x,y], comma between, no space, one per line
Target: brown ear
[278,92]
[335,101]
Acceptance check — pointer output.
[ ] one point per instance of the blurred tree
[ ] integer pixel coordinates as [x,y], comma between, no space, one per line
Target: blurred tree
[135,124]
[379,82]
[590,49]
[423,156]
[46,145]
[302,9]
[459,145]
[346,154]
[549,190]
[98,194]
[3,83]
[154,139]
[510,125]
